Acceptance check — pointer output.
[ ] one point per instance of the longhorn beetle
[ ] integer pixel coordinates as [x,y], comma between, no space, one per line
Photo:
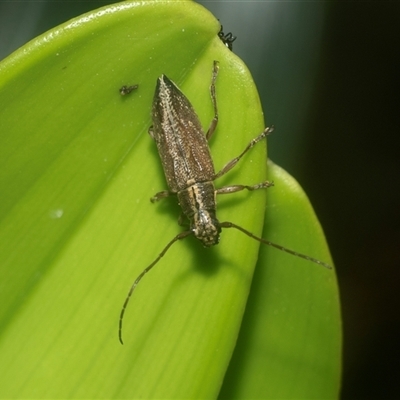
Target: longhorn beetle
[189,170]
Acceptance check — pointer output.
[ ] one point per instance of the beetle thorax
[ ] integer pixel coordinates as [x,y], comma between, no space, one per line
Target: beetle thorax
[198,204]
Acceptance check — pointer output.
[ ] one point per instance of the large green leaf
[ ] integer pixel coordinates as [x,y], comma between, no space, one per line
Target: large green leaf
[77,169]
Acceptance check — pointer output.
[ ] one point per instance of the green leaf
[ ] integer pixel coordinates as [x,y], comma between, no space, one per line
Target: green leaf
[290,341]
[78,169]
[76,225]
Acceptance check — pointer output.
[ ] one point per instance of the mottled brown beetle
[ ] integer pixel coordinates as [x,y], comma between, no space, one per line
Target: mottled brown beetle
[189,170]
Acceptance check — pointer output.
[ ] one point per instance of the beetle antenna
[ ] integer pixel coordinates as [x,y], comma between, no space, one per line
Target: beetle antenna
[181,236]
[277,246]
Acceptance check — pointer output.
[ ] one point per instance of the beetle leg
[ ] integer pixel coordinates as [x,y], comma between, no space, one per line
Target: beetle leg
[233,162]
[238,188]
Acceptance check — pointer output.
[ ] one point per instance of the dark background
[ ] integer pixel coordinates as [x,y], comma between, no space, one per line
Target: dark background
[328,76]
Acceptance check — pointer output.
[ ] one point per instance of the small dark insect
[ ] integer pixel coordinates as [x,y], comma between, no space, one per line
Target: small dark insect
[189,170]
[227,39]
[124,90]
